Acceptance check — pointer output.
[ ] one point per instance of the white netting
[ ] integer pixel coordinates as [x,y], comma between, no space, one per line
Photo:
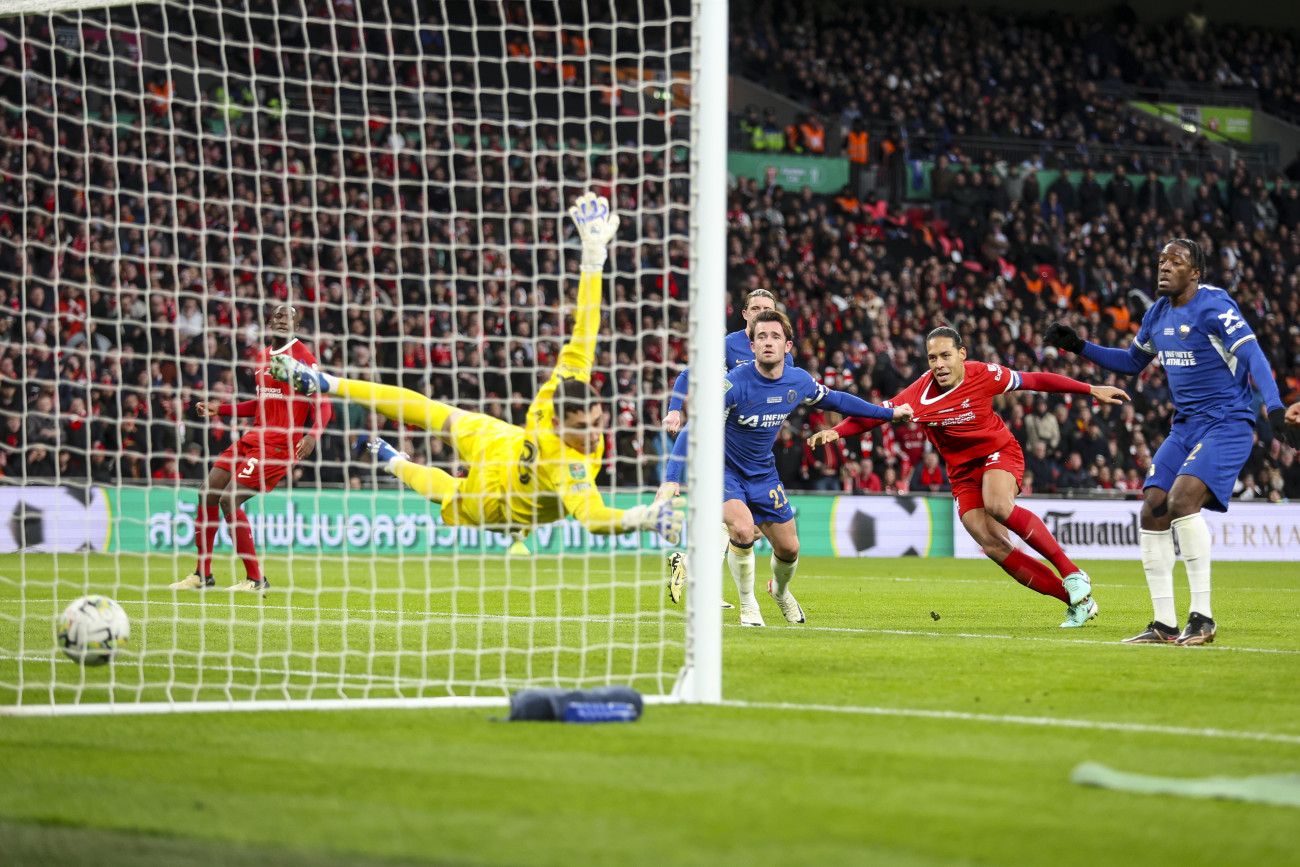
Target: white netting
[400,171]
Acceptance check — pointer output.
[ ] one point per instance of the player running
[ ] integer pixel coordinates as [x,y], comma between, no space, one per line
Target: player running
[1208,352]
[518,477]
[758,398]
[737,351]
[259,459]
[954,404]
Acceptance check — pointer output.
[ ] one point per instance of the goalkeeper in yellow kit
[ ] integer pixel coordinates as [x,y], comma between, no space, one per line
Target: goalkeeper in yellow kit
[518,477]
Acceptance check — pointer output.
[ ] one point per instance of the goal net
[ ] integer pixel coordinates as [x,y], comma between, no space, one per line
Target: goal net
[398,174]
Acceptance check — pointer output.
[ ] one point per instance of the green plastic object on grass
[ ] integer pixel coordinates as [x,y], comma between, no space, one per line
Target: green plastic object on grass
[1281,790]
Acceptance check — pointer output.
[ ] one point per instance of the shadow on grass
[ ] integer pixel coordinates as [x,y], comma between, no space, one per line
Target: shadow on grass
[29,844]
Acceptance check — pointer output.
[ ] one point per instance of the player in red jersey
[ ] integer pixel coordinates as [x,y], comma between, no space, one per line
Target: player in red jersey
[260,458]
[953,402]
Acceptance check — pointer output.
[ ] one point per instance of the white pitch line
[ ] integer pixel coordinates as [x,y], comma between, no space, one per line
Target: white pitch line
[1009,719]
[325,679]
[994,580]
[417,616]
[675,620]
[993,636]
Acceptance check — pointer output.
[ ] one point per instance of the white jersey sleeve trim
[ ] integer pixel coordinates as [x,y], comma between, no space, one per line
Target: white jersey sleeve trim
[1233,347]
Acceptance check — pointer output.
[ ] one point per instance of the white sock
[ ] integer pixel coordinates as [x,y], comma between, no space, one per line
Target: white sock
[741,562]
[392,464]
[1194,541]
[1158,560]
[782,572]
[328,382]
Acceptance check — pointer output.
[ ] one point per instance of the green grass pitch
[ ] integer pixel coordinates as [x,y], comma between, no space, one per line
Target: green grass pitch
[874,733]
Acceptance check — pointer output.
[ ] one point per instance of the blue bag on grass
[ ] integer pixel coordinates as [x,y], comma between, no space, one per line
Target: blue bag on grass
[552,704]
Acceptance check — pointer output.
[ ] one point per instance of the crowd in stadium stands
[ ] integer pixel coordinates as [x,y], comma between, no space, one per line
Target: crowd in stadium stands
[129,291]
[1039,77]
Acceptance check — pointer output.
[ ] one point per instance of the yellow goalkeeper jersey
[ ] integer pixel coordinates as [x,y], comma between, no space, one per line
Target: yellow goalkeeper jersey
[528,475]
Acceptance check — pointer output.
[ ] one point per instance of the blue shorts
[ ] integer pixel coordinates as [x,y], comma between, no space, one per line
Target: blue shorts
[764,494]
[1211,449]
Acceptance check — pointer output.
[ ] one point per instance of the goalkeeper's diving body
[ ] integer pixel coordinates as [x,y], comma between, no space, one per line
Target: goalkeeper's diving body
[519,477]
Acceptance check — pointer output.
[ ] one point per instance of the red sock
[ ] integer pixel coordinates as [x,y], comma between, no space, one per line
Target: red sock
[1034,575]
[1030,527]
[244,546]
[205,533]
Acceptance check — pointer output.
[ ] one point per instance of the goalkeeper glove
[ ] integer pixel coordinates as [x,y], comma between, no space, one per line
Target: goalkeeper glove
[1063,337]
[596,228]
[1282,430]
[665,518]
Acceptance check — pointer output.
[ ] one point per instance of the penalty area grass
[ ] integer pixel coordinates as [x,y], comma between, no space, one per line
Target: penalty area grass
[929,712]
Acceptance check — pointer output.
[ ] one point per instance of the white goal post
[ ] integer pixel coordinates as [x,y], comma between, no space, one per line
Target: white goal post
[398,173]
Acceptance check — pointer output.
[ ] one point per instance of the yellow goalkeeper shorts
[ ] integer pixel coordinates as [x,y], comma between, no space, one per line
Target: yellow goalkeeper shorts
[488,447]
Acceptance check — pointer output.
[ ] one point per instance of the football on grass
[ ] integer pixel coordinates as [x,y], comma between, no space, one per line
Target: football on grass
[93,629]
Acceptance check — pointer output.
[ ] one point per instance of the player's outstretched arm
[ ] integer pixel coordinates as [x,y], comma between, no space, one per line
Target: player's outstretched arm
[243,409]
[1057,384]
[850,404]
[676,460]
[854,426]
[1130,361]
[1262,375]
[664,517]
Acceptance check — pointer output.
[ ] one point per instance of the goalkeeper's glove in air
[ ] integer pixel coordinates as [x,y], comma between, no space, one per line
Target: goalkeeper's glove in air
[596,228]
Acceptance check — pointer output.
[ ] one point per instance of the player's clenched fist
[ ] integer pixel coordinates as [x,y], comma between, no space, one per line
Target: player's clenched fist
[596,228]
[903,413]
[1293,414]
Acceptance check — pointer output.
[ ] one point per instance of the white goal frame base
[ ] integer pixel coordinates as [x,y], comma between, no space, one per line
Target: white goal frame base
[273,705]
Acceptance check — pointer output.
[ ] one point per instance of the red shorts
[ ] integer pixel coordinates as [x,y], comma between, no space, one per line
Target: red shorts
[259,459]
[968,479]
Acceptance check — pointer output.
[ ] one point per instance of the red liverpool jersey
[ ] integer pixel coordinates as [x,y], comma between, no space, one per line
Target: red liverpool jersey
[279,408]
[961,422]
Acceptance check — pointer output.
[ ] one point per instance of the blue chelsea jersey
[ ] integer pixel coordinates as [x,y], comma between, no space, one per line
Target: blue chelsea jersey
[756,407]
[738,349]
[1197,344]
